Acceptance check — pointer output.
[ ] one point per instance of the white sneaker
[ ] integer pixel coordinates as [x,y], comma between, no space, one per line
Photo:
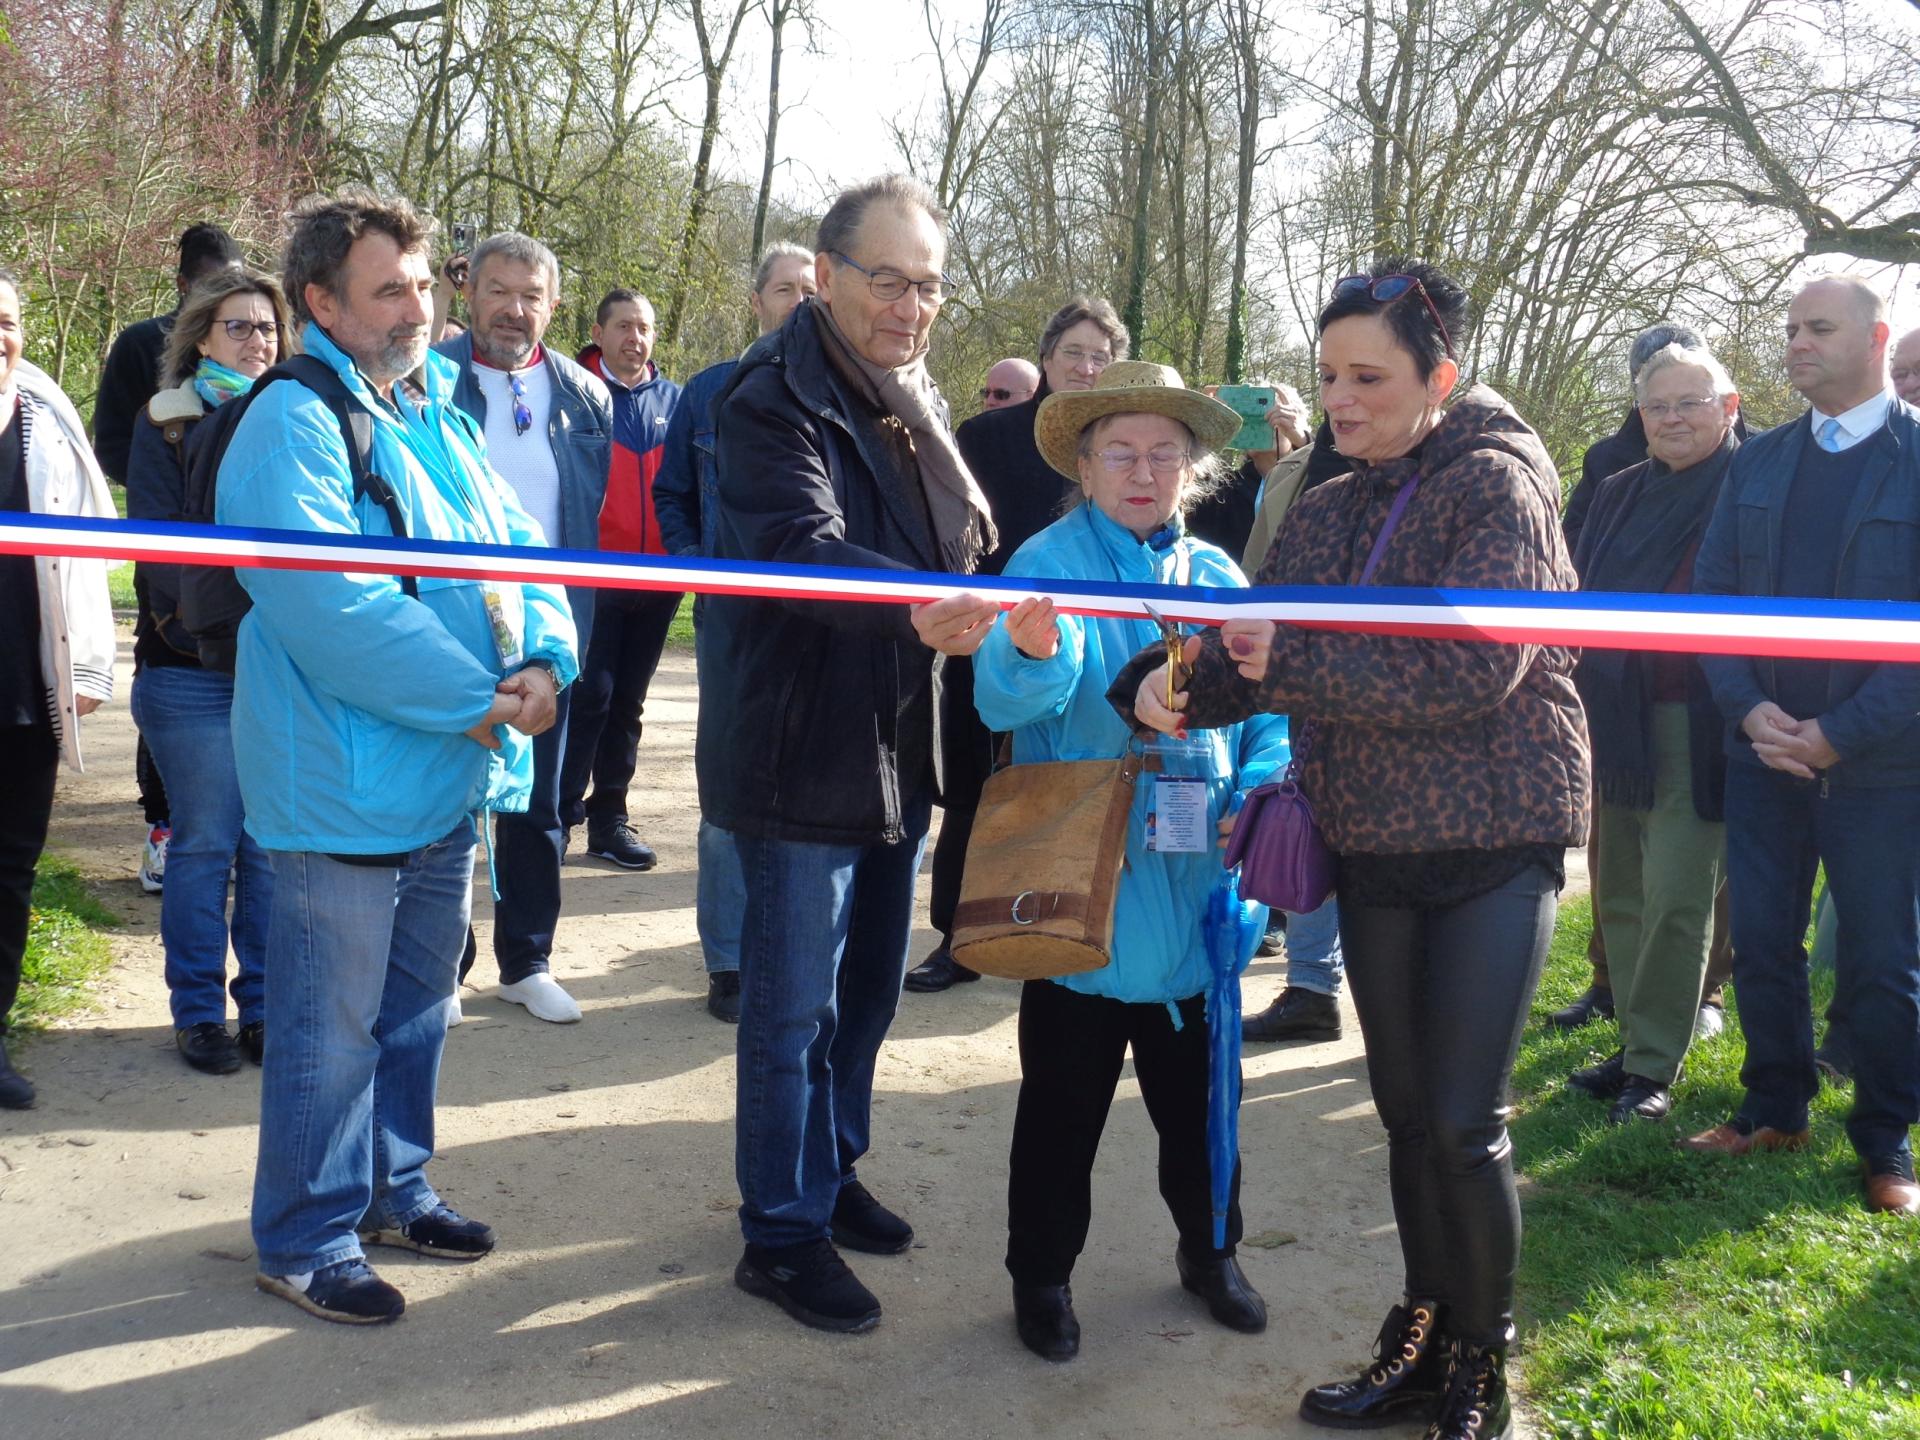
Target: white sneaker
[153,859]
[543,997]
[454,1013]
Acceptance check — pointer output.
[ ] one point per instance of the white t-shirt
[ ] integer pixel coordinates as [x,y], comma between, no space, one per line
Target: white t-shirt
[526,461]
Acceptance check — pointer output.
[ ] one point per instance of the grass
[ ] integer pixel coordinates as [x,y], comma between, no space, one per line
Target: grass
[1674,1296]
[65,949]
[680,632]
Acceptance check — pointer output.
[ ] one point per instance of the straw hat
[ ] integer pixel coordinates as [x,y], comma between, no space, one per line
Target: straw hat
[1127,387]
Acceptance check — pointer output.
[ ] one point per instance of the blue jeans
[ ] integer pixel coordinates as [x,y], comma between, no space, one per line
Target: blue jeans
[722,899]
[359,975]
[1314,958]
[1778,831]
[822,954]
[184,715]
[527,853]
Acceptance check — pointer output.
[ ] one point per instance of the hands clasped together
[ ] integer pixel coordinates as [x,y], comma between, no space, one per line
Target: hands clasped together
[1799,747]
[526,700]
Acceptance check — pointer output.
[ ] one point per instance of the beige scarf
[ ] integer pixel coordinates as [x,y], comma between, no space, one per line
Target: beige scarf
[962,520]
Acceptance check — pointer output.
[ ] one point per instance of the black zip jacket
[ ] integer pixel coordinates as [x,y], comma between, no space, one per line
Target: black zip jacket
[816,717]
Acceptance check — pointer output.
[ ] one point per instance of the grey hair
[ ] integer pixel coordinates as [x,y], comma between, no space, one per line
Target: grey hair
[512,245]
[773,255]
[1869,303]
[1208,469]
[1658,337]
[325,228]
[1698,356]
[842,220]
[1087,307]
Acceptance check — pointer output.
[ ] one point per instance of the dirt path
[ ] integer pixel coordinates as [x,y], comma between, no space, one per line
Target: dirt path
[603,1155]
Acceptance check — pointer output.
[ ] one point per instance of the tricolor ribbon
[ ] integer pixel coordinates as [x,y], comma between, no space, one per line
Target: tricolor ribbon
[1691,624]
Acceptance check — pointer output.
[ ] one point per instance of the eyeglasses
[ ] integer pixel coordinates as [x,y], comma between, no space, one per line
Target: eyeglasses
[996,392]
[244,330]
[1686,409]
[1389,288]
[522,414]
[888,285]
[1162,459]
[1076,357]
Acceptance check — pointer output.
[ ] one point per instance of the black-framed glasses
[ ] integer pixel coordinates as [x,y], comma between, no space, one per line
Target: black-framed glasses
[244,330]
[889,285]
[522,413]
[1389,288]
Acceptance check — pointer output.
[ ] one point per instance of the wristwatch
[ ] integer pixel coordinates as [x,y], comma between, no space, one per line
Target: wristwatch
[540,662]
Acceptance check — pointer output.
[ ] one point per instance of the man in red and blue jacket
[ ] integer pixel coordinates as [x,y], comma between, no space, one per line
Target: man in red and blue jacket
[629,626]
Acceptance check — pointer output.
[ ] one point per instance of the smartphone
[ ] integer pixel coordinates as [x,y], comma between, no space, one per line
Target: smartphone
[1251,403]
[463,236]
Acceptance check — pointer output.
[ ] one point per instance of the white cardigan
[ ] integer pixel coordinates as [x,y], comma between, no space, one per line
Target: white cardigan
[77,640]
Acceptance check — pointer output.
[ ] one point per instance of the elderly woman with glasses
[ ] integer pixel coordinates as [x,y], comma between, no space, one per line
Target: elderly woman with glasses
[1659,761]
[231,328]
[1449,777]
[1139,446]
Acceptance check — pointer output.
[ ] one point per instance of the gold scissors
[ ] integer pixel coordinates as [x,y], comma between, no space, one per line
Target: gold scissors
[1170,636]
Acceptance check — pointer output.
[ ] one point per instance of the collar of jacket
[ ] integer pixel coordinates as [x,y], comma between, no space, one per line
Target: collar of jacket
[589,360]
[566,378]
[1476,419]
[436,376]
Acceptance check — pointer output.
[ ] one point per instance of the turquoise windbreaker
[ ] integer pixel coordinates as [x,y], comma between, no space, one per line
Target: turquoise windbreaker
[1057,710]
[350,698]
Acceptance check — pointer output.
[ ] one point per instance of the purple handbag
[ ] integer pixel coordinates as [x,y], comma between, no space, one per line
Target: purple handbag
[1284,860]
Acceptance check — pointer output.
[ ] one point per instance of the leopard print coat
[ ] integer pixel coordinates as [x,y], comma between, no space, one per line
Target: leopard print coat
[1423,744]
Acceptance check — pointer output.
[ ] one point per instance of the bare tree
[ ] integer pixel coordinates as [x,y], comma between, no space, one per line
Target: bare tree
[714,59]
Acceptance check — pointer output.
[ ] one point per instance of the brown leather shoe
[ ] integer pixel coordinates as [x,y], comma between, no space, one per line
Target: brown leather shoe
[1729,1140]
[1892,1194]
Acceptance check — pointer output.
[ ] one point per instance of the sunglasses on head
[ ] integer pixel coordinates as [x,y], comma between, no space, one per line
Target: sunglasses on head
[1389,288]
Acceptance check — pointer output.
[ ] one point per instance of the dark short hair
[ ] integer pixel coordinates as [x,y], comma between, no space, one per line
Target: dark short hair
[207,247]
[619,295]
[1658,337]
[325,229]
[1087,307]
[194,322]
[843,218]
[1406,315]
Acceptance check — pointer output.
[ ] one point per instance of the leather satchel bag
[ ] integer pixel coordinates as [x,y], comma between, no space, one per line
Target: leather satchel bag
[1043,867]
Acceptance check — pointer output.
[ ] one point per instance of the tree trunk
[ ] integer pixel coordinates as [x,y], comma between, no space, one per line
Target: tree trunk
[777,18]
[713,67]
[1135,317]
[1244,22]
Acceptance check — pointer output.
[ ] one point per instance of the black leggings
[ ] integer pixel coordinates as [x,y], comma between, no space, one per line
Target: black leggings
[1443,996]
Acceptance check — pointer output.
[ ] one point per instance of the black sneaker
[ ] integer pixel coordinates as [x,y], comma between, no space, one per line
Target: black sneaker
[442,1233]
[348,1293]
[811,1283]
[862,1223]
[1602,1081]
[723,996]
[1297,1015]
[16,1091]
[252,1041]
[208,1047]
[618,844]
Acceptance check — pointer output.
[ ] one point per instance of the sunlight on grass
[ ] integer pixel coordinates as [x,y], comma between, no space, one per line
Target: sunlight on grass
[65,949]
[1674,1296]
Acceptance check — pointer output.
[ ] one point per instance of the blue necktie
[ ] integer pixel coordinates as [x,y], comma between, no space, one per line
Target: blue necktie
[1829,437]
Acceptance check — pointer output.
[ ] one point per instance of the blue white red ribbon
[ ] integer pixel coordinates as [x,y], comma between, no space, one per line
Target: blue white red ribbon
[1692,624]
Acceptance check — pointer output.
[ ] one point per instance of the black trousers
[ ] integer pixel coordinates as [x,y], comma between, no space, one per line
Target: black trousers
[153,790]
[1443,996]
[966,752]
[528,850]
[29,761]
[1071,1049]
[603,739]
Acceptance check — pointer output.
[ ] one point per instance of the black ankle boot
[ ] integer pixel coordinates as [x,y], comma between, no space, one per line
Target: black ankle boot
[1407,1381]
[1043,1315]
[1476,1407]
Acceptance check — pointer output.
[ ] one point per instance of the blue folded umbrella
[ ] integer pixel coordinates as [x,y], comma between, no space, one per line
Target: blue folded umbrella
[1233,929]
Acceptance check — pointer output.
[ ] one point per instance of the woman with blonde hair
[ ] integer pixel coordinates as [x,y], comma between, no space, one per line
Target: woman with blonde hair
[231,328]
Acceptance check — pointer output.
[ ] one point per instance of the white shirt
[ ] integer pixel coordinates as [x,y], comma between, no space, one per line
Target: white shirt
[1862,421]
[526,461]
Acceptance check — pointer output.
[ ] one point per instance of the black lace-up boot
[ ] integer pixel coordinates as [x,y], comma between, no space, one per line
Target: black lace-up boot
[1406,1381]
[1476,1406]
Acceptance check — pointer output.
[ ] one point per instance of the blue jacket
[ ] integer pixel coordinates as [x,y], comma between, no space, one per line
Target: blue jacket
[350,698]
[1873,713]
[1057,710]
[685,497]
[580,430]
